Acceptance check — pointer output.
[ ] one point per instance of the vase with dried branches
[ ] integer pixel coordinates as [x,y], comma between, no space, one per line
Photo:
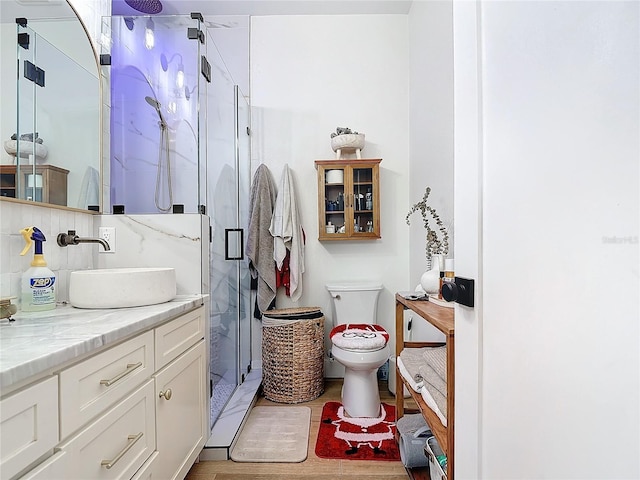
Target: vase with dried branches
[437,239]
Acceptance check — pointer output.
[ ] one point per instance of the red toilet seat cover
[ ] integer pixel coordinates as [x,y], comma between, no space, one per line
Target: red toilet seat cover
[359,336]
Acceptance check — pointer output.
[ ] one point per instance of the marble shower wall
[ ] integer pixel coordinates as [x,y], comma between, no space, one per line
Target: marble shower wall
[161,241]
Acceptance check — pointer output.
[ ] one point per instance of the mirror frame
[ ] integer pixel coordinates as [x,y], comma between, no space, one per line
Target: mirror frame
[101,148]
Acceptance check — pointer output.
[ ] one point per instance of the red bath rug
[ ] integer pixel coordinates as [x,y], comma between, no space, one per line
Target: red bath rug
[342,437]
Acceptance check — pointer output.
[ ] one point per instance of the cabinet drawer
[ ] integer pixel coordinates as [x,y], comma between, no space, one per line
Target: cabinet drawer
[118,443]
[56,467]
[148,470]
[90,387]
[28,426]
[175,337]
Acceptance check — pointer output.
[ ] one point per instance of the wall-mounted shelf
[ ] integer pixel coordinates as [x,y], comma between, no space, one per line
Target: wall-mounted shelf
[348,199]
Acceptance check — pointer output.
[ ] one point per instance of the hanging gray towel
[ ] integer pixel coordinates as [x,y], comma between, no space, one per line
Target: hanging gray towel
[259,240]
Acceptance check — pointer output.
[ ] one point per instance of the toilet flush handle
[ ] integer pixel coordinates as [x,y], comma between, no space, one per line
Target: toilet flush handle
[336,296]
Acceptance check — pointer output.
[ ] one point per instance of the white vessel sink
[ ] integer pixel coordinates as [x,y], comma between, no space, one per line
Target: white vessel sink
[121,287]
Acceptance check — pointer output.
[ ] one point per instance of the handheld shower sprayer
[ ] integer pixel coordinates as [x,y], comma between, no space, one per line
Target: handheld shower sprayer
[164,159]
[155,104]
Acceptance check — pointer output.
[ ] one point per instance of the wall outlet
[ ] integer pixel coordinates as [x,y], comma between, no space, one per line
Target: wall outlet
[109,235]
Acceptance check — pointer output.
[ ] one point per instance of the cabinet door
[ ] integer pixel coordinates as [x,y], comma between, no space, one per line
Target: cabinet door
[8,185]
[28,426]
[363,182]
[333,201]
[181,412]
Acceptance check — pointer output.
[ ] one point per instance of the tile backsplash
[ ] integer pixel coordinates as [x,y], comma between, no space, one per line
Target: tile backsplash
[14,217]
[178,241]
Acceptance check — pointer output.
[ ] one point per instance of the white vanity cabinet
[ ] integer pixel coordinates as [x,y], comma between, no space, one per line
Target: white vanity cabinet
[136,410]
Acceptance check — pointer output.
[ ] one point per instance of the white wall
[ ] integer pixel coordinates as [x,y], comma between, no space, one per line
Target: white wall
[558,305]
[431,123]
[310,74]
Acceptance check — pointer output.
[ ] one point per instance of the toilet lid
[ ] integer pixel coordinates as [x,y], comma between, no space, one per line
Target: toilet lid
[359,336]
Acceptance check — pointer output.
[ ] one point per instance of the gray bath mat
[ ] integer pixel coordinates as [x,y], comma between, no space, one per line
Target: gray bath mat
[274,434]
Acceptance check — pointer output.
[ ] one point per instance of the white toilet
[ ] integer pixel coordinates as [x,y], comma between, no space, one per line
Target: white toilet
[359,344]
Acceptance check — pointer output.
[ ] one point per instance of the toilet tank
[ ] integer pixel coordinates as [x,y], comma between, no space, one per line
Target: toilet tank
[354,302]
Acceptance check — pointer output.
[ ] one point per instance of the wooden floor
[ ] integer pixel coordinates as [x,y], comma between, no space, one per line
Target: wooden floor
[313,467]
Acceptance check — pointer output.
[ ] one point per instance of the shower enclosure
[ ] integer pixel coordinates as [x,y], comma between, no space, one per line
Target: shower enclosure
[179,145]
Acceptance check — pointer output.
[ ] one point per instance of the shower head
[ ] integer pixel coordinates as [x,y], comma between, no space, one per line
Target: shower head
[145,6]
[155,104]
[164,63]
[187,92]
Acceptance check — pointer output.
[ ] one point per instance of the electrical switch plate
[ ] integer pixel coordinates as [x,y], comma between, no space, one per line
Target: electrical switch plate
[109,235]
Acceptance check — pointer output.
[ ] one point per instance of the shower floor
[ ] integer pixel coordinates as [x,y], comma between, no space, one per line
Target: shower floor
[221,395]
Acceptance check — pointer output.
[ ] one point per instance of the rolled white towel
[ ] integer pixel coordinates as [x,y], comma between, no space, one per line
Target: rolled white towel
[416,386]
[413,358]
[439,406]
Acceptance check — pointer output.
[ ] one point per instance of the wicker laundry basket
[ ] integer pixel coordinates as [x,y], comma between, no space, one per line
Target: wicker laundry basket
[293,354]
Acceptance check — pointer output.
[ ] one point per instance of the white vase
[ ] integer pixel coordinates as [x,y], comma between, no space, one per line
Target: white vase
[430,280]
[438,258]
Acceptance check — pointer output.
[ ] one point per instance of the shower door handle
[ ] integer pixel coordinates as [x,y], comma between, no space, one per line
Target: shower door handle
[234,244]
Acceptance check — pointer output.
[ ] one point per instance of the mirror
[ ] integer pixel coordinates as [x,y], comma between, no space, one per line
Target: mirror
[58,106]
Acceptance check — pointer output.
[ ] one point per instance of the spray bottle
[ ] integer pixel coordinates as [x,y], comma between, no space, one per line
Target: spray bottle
[38,282]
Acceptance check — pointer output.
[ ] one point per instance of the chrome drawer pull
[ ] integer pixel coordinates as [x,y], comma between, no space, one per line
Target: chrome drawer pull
[130,368]
[132,439]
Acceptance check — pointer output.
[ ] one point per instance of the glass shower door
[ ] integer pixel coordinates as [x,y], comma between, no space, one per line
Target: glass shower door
[227,206]
[243,162]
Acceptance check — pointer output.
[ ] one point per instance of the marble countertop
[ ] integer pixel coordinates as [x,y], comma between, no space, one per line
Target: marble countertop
[35,343]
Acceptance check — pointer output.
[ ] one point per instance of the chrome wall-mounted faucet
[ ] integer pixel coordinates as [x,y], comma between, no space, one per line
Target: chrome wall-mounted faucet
[70,238]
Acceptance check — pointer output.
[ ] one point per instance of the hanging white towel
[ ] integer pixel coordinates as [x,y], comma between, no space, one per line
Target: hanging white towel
[90,189]
[287,233]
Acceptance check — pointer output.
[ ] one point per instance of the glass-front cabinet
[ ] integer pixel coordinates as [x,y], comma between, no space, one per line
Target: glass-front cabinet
[348,199]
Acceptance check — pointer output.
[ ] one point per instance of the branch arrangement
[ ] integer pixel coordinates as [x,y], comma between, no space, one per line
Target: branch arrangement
[436,243]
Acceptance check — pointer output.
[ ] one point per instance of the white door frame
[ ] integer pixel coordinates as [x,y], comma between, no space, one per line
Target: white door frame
[468,234]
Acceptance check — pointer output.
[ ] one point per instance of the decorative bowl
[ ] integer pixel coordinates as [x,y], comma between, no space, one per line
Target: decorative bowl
[348,141]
